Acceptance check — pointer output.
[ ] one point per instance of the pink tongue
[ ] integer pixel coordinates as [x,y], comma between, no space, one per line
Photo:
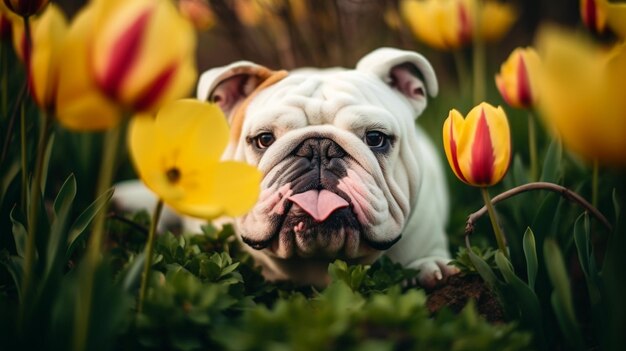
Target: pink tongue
[319,204]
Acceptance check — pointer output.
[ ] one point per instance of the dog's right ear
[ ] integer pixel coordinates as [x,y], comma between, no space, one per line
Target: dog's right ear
[228,86]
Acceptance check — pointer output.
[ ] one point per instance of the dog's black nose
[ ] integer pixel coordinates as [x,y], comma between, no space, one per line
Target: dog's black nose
[319,148]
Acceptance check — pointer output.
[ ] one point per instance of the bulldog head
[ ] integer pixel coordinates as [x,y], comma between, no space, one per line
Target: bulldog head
[337,151]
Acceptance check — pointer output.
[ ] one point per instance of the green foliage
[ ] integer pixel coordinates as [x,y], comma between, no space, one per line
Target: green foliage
[463,260]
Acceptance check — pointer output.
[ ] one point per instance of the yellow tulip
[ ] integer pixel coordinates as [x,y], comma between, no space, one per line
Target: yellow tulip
[517,79]
[177,155]
[597,15]
[47,38]
[478,147]
[26,8]
[496,20]
[448,24]
[124,56]
[582,98]
[198,12]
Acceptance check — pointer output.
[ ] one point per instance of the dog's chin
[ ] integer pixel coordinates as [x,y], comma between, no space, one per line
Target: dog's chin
[297,235]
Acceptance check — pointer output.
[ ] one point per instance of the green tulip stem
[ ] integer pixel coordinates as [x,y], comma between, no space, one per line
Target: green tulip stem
[461,71]
[494,222]
[478,52]
[5,80]
[24,157]
[36,194]
[84,302]
[145,276]
[594,183]
[532,147]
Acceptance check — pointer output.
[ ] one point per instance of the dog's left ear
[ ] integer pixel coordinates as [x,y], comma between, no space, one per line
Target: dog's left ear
[405,71]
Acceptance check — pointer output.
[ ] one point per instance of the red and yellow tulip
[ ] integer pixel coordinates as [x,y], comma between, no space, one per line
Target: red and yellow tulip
[517,79]
[124,56]
[598,15]
[478,147]
[448,24]
[25,8]
[582,99]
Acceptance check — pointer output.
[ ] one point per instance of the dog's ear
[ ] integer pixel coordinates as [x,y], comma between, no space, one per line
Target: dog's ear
[228,86]
[405,71]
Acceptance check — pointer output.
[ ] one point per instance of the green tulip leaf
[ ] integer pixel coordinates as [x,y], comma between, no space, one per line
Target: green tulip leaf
[84,219]
[562,300]
[530,252]
[552,162]
[19,233]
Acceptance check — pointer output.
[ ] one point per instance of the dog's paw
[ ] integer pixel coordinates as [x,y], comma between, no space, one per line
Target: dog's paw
[433,270]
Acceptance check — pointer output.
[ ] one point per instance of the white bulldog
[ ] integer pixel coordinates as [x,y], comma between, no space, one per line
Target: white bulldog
[346,172]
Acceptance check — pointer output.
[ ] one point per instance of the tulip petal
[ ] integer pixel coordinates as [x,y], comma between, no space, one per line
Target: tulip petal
[196,126]
[231,190]
[482,152]
[80,105]
[451,131]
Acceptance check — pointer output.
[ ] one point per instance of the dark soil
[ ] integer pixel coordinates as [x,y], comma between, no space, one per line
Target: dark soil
[458,291]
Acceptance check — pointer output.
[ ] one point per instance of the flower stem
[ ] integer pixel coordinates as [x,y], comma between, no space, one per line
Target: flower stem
[563,191]
[24,156]
[84,301]
[34,204]
[532,147]
[594,183]
[494,222]
[5,80]
[145,276]
[461,71]
[478,55]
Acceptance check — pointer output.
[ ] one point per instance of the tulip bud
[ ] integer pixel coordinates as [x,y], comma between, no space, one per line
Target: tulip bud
[26,8]
[142,53]
[478,147]
[47,38]
[517,79]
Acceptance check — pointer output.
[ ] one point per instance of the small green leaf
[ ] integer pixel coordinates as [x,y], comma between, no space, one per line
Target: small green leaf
[46,162]
[484,270]
[562,296]
[15,267]
[566,322]
[582,241]
[55,253]
[552,162]
[530,252]
[66,194]
[84,219]
[133,274]
[525,301]
[19,233]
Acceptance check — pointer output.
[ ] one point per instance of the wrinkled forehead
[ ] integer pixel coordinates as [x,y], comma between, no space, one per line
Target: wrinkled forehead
[329,97]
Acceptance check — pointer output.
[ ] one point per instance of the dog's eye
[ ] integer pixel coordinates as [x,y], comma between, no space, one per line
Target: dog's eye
[264,140]
[376,139]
